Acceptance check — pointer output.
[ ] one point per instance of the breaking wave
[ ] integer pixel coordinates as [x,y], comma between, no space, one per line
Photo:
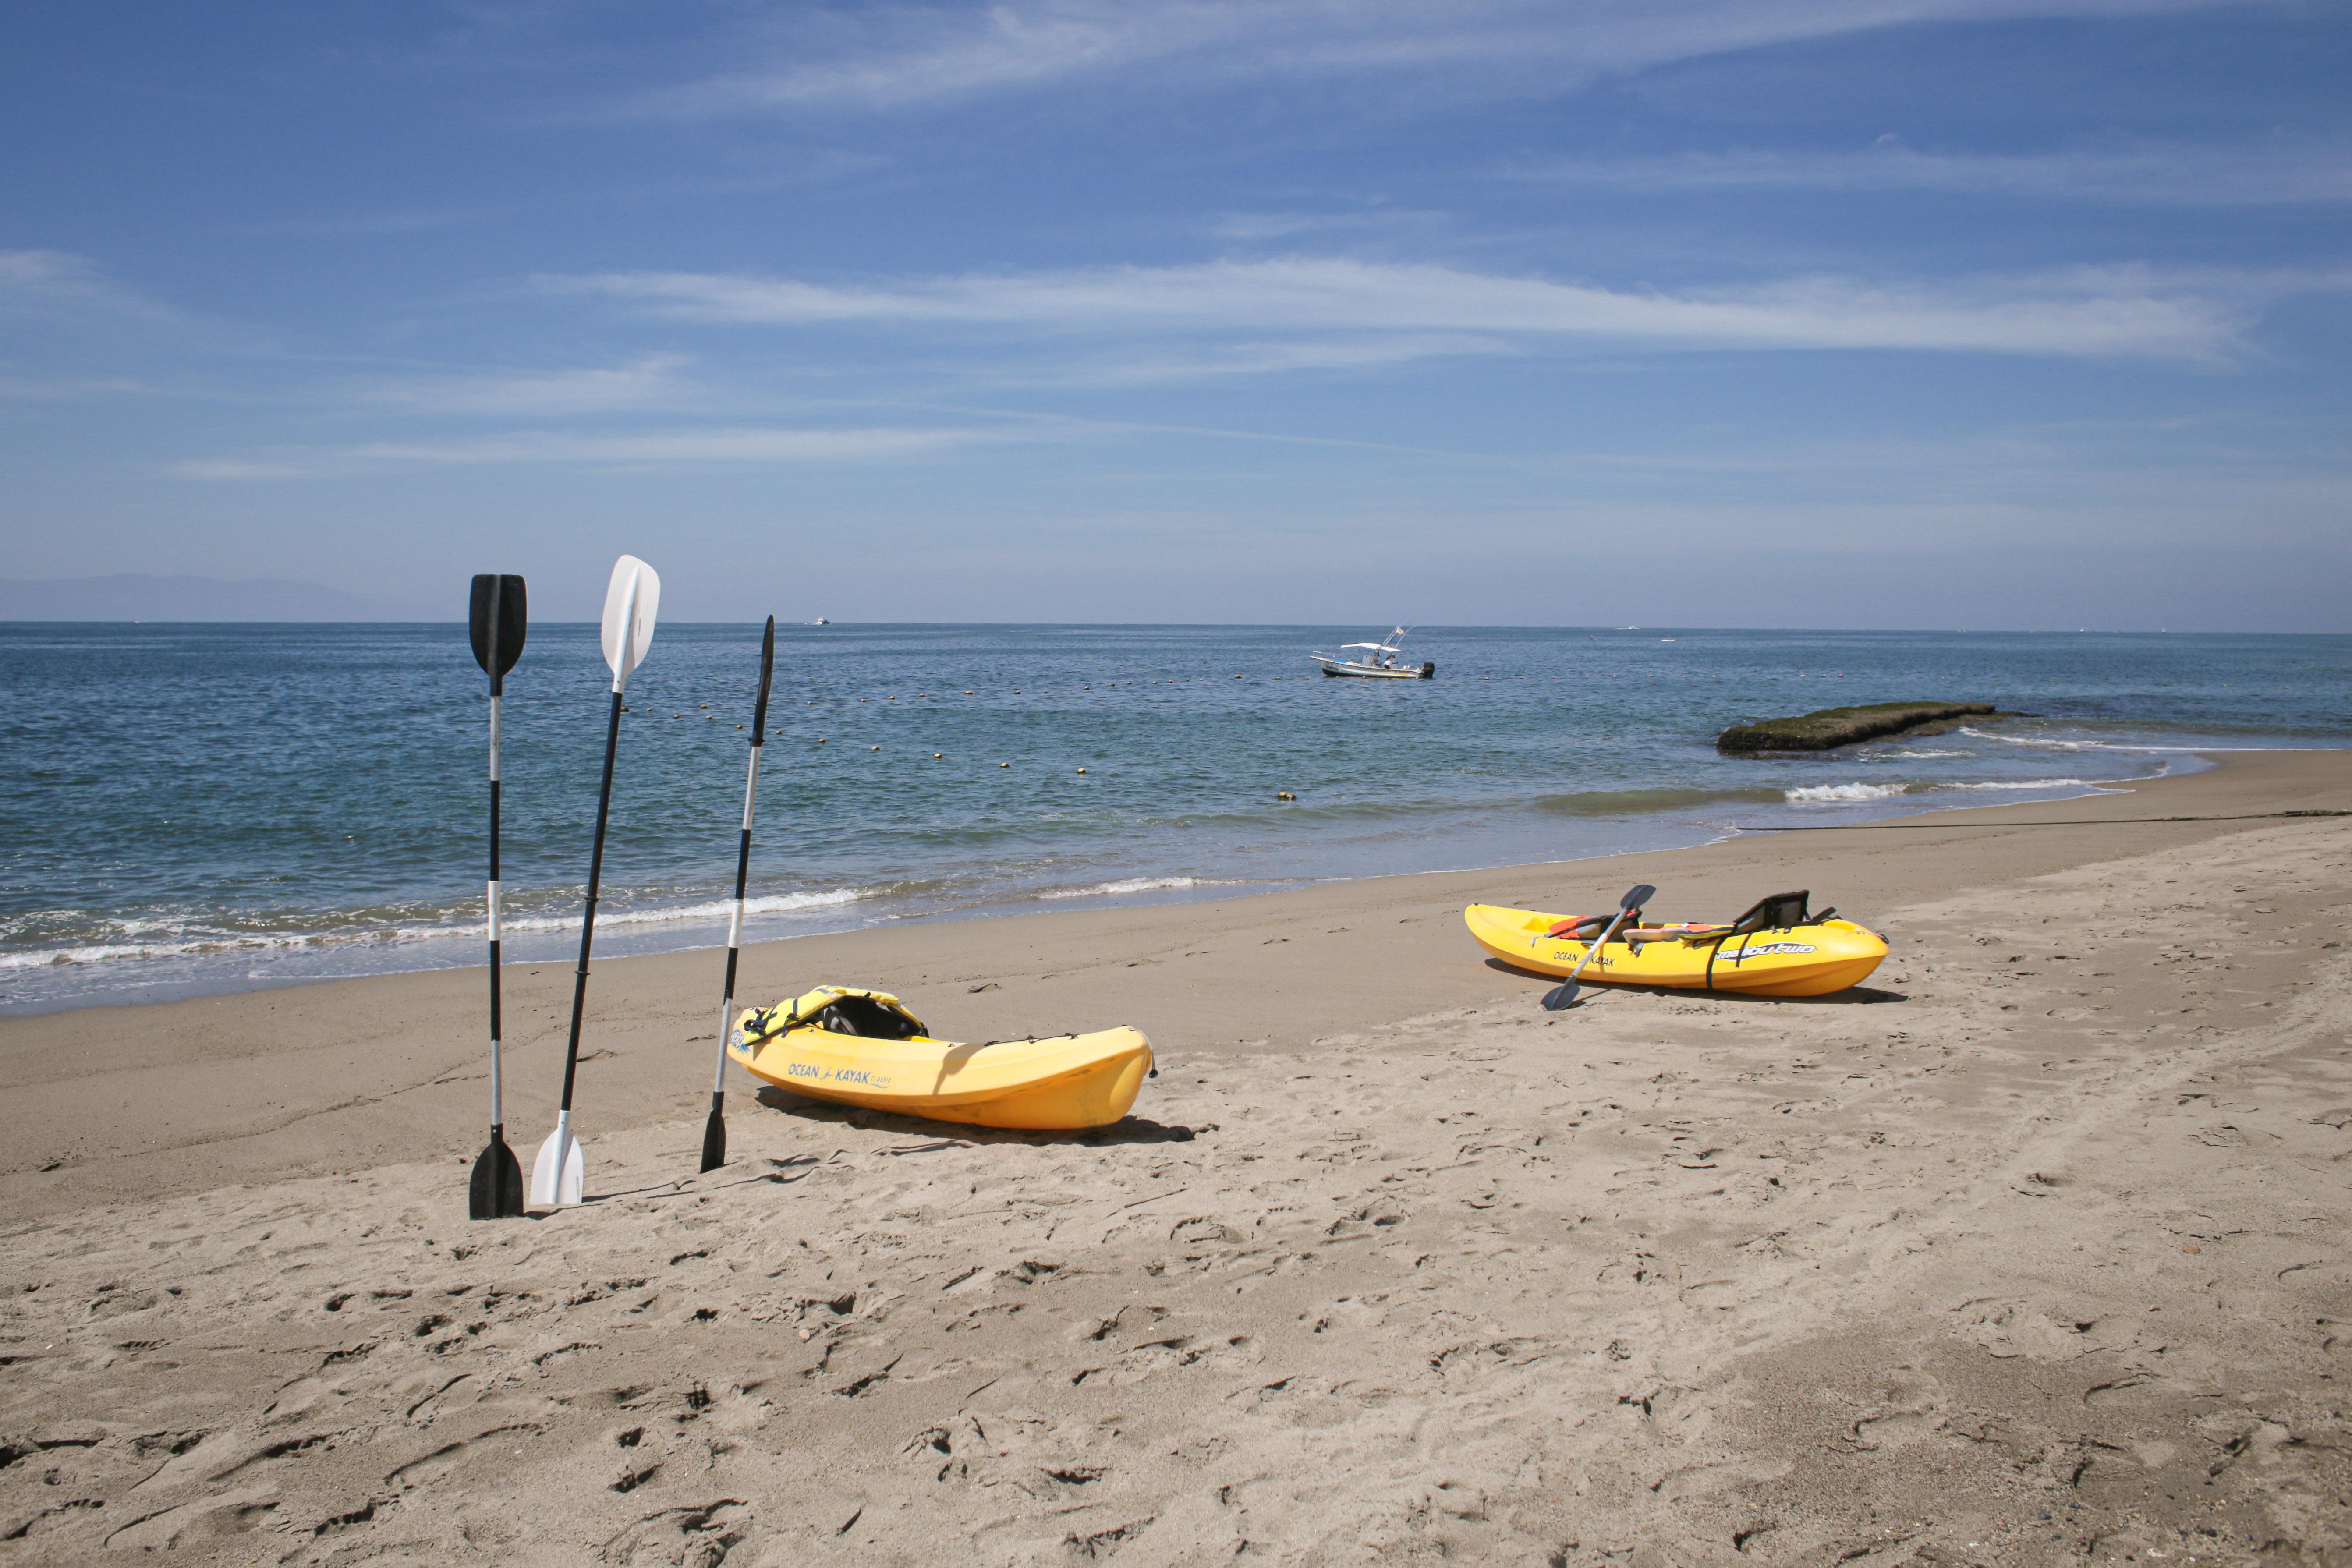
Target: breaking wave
[1135,885]
[716,909]
[1831,794]
[200,943]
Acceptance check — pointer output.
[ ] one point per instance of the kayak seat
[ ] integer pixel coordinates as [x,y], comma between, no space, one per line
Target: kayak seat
[1579,928]
[1777,912]
[868,1019]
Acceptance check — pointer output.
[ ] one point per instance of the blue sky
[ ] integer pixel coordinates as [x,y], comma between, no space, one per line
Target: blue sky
[1985,314]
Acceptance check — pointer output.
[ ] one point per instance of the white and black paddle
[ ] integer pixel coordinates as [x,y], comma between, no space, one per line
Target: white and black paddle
[714,1132]
[560,1172]
[1564,994]
[498,620]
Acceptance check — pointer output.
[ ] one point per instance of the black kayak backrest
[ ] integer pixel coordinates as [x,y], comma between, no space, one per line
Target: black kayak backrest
[868,1019]
[1776,913]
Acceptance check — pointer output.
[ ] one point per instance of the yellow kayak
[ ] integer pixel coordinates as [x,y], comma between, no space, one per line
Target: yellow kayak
[863,1048]
[1811,956]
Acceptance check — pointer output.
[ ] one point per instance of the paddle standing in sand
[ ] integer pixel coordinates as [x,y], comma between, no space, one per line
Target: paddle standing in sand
[630,602]
[497,620]
[714,1132]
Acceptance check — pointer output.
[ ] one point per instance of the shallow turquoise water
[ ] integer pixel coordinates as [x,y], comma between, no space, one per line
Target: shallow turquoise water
[204,807]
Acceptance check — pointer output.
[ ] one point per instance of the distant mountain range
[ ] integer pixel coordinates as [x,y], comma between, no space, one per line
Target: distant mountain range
[135,597]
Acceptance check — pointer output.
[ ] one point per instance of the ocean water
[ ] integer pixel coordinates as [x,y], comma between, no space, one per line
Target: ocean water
[191,808]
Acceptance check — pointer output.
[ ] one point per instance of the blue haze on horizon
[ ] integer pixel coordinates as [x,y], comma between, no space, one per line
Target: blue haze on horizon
[1881,313]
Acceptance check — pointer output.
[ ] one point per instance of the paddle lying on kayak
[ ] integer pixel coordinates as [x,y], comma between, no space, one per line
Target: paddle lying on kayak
[1563,996]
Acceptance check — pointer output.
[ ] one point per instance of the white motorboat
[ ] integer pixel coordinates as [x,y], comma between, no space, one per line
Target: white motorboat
[1375,661]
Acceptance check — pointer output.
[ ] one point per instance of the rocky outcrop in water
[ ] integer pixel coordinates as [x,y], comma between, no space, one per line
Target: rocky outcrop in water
[1829,728]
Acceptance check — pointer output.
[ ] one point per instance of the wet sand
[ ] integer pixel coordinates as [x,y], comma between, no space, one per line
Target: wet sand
[2030,1251]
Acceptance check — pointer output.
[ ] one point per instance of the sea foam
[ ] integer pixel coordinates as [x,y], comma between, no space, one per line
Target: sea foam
[1833,795]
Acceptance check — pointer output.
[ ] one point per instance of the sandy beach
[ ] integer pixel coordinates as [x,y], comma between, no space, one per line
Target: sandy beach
[2031,1251]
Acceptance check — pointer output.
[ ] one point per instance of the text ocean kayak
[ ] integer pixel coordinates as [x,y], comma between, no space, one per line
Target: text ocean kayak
[863,1048]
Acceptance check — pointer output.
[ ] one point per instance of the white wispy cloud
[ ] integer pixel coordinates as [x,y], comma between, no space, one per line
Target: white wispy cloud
[87,329]
[1171,364]
[2086,313]
[888,56]
[1256,226]
[78,388]
[55,283]
[636,448]
[2245,175]
[652,380]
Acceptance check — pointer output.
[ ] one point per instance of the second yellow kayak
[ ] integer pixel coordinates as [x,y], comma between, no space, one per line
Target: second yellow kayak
[1811,959]
[863,1048]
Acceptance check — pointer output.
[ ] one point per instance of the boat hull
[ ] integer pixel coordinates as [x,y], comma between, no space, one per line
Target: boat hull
[1062,1084]
[1340,666]
[1800,960]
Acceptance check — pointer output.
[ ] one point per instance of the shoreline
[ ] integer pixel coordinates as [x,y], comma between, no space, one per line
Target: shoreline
[700,927]
[969,772]
[262,1084]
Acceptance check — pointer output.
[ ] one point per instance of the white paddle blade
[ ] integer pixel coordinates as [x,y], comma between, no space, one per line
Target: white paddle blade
[561,1173]
[631,604]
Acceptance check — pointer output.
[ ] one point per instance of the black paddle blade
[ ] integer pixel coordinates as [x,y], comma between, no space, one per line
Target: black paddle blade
[767,672]
[498,620]
[714,1134]
[496,1192]
[1635,898]
[1560,997]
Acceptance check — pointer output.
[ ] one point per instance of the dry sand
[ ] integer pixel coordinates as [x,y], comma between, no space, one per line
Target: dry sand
[2030,1252]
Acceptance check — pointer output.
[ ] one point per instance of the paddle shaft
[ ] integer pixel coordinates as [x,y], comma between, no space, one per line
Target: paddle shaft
[498,697]
[1606,932]
[497,1102]
[496,623]
[735,925]
[588,921]
[714,1132]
